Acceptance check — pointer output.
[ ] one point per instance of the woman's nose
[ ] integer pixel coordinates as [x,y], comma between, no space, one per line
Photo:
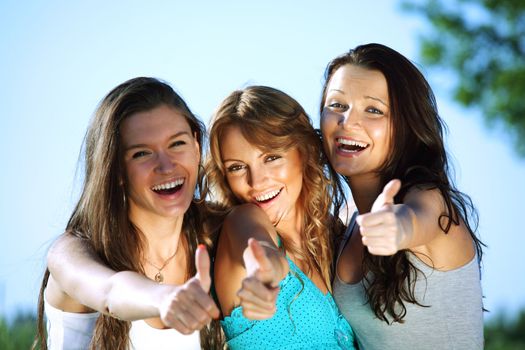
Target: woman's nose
[257,178]
[165,164]
[349,118]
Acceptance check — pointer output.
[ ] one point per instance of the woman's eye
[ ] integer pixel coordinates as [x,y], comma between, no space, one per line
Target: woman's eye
[139,154]
[178,143]
[374,110]
[234,167]
[272,157]
[337,105]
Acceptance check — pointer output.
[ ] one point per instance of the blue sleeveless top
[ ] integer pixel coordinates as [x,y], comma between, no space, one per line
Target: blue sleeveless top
[305,319]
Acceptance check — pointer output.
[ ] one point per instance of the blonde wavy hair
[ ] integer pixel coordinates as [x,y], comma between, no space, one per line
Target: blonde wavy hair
[274,122]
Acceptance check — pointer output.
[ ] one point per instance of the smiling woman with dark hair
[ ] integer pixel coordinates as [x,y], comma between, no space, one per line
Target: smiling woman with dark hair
[407,274]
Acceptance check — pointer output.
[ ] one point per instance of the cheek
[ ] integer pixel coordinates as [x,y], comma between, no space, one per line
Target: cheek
[132,175]
[330,119]
[235,185]
[191,162]
[325,124]
[379,136]
[379,132]
[293,174]
[328,126]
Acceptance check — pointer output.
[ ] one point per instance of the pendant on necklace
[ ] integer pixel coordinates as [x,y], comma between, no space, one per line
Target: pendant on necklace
[159,278]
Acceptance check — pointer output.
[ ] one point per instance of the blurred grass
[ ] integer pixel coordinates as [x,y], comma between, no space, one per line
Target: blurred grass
[502,332]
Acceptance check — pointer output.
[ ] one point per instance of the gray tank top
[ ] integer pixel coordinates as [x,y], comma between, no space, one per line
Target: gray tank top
[453,320]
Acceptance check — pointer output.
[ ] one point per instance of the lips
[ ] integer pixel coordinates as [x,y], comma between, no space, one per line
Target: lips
[350,146]
[268,196]
[169,187]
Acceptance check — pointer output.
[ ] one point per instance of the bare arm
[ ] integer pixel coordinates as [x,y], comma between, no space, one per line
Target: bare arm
[414,225]
[79,278]
[247,273]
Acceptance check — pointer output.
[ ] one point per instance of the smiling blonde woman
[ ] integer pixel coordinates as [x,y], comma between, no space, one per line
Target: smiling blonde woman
[274,255]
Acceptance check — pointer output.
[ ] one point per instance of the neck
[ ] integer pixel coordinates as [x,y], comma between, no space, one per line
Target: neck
[365,190]
[161,234]
[291,226]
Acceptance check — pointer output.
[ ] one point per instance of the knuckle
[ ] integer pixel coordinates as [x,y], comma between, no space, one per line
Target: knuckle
[192,285]
[186,331]
[203,319]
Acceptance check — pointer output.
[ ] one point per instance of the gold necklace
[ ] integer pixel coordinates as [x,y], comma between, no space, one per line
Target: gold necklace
[159,278]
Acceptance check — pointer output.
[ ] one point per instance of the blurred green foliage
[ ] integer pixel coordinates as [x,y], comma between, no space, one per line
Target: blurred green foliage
[501,332]
[482,42]
[504,333]
[18,334]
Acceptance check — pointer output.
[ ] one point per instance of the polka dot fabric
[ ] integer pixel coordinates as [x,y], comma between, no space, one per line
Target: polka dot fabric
[305,319]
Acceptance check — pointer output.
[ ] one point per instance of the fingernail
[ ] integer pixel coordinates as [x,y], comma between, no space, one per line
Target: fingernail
[201,246]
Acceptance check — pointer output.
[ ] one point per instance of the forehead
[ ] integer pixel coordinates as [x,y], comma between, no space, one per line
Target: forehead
[234,144]
[158,123]
[233,141]
[350,78]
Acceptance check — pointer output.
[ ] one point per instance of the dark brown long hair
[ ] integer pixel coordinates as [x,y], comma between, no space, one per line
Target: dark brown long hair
[273,121]
[101,214]
[418,158]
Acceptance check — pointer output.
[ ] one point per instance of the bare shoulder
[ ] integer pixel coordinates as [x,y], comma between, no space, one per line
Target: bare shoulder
[248,221]
[421,198]
[445,250]
[68,247]
[228,270]
[239,212]
[64,250]
[242,223]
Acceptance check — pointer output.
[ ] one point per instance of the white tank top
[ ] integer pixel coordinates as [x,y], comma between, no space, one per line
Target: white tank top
[68,330]
[73,331]
[144,337]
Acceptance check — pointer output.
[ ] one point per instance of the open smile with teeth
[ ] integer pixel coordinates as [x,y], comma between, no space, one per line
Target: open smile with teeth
[350,146]
[168,187]
[268,196]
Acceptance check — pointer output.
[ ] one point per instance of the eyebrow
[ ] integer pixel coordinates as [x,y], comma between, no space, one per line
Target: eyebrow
[238,160]
[366,96]
[143,145]
[378,100]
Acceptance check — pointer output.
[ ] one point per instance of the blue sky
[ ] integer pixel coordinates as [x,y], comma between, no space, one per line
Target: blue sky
[59,58]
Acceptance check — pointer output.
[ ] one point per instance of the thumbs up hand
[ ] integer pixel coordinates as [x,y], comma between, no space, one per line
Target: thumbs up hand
[259,291]
[189,307]
[381,230]
[202,264]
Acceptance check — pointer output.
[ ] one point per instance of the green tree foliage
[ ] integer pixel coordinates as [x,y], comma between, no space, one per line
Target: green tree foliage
[19,334]
[504,334]
[483,43]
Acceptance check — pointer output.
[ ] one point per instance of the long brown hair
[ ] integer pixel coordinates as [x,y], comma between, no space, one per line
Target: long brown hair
[273,121]
[101,214]
[418,158]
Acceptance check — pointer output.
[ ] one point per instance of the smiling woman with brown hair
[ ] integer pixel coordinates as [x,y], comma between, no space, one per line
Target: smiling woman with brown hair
[137,222]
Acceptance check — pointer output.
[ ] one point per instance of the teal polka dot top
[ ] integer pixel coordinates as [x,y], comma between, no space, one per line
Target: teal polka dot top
[305,319]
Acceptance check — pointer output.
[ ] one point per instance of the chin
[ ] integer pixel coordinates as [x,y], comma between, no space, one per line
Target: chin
[342,168]
[178,210]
